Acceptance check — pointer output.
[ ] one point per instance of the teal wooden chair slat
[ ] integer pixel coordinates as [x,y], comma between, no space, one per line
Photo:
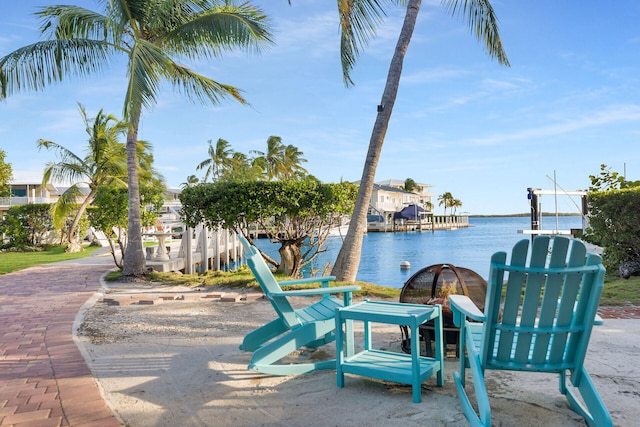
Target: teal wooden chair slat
[538,316]
[311,326]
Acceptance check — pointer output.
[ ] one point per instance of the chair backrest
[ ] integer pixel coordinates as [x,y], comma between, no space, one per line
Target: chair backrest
[268,283]
[541,318]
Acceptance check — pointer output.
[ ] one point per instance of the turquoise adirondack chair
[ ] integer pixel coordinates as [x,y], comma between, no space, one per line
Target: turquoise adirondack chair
[537,317]
[311,326]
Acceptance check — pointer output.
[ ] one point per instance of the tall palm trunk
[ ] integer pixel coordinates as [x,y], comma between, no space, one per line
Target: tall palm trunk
[133,265]
[346,266]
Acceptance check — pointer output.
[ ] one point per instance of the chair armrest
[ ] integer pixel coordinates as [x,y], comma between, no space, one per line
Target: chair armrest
[462,306]
[598,320]
[317,291]
[323,280]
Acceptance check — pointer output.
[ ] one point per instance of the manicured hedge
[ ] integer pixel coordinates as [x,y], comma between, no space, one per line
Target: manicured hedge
[614,224]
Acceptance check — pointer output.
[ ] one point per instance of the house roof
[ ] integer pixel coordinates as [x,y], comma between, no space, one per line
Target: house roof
[84,190]
[49,186]
[390,189]
[400,183]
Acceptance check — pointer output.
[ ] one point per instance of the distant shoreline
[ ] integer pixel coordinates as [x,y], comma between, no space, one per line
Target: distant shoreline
[524,215]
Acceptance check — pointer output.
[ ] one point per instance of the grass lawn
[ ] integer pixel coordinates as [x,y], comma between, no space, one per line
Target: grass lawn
[243,280]
[13,261]
[617,291]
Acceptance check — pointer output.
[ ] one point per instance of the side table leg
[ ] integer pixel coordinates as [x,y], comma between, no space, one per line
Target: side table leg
[439,346]
[415,363]
[349,342]
[340,349]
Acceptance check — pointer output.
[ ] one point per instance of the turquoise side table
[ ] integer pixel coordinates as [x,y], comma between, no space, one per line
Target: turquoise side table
[403,368]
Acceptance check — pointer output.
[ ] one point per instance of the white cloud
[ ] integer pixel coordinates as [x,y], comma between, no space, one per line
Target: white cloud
[588,119]
[432,75]
[317,35]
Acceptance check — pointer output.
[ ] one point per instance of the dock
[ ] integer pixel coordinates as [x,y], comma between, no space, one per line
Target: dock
[198,251]
[432,223]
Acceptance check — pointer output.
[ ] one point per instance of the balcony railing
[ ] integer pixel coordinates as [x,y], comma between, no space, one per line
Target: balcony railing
[12,201]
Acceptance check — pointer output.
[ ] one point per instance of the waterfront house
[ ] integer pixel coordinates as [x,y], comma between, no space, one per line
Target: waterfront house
[425,195]
[27,193]
[389,197]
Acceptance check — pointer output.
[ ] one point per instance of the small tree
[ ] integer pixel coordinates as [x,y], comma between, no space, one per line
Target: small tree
[298,213]
[80,229]
[109,211]
[26,225]
[6,176]
[606,180]
[105,163]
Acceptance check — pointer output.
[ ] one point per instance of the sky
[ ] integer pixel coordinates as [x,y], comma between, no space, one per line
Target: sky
[569,102]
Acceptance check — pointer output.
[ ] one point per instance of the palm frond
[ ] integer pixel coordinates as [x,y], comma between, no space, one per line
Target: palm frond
[65,204]
[127,12]
[483,23]
[224,27]
[121,19]
[64,172]
[203,164]
[73,22]
[144,81]
[65,154]
[199,88]
[359,20]
[36,66]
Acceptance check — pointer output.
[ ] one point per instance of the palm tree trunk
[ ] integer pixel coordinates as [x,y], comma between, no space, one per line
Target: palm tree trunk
[74,245]
[133,264]
[348,260]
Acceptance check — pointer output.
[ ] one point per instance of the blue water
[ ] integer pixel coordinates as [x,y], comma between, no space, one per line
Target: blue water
[470,247]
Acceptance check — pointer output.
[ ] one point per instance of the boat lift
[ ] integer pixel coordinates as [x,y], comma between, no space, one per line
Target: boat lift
[536,213]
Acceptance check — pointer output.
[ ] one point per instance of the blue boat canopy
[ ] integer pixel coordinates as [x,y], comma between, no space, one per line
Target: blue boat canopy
[409,213]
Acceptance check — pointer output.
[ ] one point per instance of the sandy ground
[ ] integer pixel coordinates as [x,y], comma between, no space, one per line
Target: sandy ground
[177,363]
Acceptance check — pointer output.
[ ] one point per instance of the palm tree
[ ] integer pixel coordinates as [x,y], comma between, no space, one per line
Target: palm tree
[6,175]
[273,160]
[358,20]
[104,164]
[445,199]
[155,36]
[220,158]
[410,185]
[243,169]
[190,182]
[293,162]
[455,204]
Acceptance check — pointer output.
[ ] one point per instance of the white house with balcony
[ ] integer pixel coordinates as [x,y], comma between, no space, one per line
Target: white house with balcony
[389,197]
[27,193]
[423,191]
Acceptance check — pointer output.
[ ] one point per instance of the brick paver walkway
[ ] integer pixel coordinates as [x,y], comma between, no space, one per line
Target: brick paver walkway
[619,312]
[44,380]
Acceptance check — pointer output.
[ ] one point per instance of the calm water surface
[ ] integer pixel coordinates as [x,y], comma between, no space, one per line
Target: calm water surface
[470,247]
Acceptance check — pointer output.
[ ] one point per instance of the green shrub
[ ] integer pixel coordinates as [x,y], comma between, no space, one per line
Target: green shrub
[27,225]
[614,224]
